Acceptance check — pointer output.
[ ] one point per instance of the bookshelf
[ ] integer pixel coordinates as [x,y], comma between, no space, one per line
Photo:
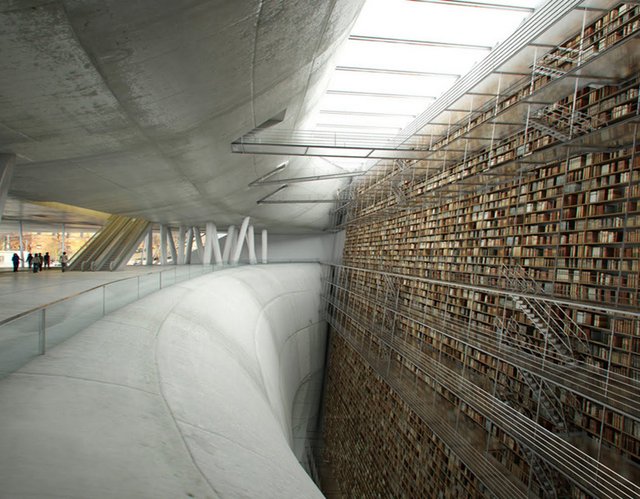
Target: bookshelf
[423,305]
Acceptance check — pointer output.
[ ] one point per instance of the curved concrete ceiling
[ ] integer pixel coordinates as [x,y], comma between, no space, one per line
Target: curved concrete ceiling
[130,107]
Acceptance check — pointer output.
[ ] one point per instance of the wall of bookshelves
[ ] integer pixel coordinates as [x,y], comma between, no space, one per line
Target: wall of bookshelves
[362,310]
[570,221]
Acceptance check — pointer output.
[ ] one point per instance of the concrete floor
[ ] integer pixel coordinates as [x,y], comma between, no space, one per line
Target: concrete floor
[24,290]
[200,390]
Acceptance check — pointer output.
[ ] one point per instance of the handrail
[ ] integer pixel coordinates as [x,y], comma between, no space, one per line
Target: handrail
[169,268]
[75,295]
[518,278]
[601,307]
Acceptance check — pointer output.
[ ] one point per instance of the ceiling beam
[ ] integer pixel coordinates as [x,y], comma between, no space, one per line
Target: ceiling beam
[365,113]
[478,5]
[355,93]
[421,43]
[400,72]
[313,178]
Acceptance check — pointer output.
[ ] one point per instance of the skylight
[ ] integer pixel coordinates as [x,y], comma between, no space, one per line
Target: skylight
[403,54]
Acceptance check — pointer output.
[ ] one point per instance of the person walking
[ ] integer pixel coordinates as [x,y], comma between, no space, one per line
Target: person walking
[29,260]
[63,260]
[16,261]
[36,263]
[47,260]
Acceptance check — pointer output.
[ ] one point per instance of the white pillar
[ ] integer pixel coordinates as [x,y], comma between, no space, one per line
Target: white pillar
[212,245]
[196,232]
[150,247]
[21,243]
[181,245]
[187,254]
[7,162]
[228,243]
[163,244]
[172,245]
[240,241]
[264,246]
[251,243]
[215,244]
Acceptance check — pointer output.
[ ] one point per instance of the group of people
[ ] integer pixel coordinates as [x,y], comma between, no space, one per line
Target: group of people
[38,261]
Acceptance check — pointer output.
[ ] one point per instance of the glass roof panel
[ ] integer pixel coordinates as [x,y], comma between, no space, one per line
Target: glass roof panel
[445,22]
[390,83]
[402,54]
[388,105]
[409,57]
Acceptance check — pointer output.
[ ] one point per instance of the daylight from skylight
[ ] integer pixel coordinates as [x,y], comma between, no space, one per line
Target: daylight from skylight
[403,54]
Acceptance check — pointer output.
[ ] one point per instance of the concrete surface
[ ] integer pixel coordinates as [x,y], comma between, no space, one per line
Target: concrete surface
[130,107]
[189,392]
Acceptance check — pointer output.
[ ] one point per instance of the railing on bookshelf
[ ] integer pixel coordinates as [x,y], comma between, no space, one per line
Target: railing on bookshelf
[558,328]
[562,122]
[545,396]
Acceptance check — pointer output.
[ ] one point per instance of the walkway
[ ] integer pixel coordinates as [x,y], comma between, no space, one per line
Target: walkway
[24,290]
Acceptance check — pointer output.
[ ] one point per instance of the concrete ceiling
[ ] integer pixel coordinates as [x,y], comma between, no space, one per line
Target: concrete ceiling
[130,107]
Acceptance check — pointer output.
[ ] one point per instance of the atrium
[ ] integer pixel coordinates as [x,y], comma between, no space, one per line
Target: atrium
[384,248]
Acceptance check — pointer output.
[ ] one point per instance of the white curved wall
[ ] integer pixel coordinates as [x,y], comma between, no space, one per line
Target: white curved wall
[189,392]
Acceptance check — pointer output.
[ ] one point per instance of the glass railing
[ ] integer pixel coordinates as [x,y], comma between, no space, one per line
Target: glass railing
[31,333]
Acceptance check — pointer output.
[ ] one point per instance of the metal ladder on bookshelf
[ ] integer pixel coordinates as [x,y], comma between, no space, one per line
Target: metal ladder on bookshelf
[562,122]
[549,404]
[543,394]
[546,66]
[550,481]
[560,331]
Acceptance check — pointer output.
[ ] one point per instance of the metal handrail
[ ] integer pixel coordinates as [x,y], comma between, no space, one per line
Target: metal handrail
[587,380]
[521,280]
[537,386]
[574,464]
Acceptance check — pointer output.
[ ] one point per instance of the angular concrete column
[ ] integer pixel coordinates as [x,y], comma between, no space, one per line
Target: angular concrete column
[189,247]
[181,245]
[199,245]
[149,247]
[7,163]
[264,246]
[228,243]
[172,245]
[163,244]
[251,244]
[239,243]
[212,245]
[215,243]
